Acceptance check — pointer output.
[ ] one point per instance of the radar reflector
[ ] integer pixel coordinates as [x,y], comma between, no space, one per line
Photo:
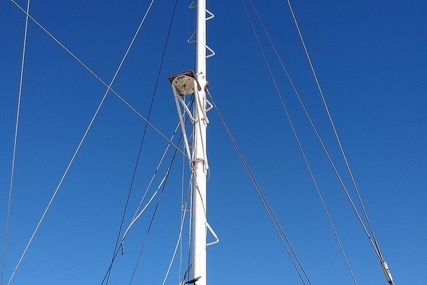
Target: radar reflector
[183,82]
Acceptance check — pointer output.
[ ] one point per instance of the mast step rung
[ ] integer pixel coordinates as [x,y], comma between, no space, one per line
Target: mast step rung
[210,15]
[192,39]
[212,52]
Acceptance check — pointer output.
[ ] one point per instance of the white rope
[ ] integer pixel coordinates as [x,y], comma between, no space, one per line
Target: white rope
[18,109]
[139,212]
[151,222]
[154,175]
[202,119]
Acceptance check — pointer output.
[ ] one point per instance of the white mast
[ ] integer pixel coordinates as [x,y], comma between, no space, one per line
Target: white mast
[199,151]
[189,83]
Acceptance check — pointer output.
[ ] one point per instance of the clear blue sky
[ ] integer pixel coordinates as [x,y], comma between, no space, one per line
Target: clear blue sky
[371,61]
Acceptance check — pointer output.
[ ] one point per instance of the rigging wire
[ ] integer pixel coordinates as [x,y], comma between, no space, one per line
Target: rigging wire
[94,74]
[326,106]
[281,233]
[59,185]
[15,141]
[137,211]
[77,149]
[148,232]
[371,235]
[177,245]
[153,97]
[145,126]
[183,209]
[296,135]
[285,241]
[154,214]
[190,232]
[373,241]
[140,212]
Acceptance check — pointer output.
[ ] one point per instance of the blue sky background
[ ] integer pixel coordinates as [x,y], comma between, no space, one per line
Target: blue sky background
[371,60]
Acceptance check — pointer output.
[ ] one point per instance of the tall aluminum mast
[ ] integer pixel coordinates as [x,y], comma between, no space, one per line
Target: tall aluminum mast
[189,83]
[199,151]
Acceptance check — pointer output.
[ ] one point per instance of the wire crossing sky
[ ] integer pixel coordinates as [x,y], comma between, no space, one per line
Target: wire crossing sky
[369,60]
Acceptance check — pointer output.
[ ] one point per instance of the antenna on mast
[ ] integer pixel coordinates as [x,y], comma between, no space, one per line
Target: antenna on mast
[195,83]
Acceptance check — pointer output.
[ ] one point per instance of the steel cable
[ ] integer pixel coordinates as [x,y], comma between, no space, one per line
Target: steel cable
[15,141]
